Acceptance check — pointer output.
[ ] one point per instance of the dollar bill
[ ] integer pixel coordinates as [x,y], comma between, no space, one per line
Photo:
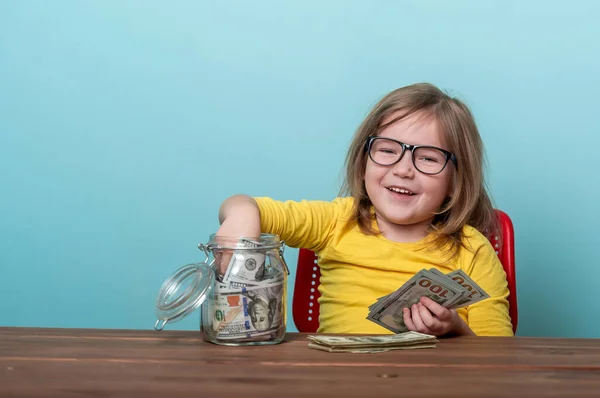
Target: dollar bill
[440,277]
[233,284]
[246,266]
[446,287]
[372,344]
[453,290]
[369,350]
[252,268]
[376,302]
[378,340]
[250,243]
[388,312]
[246,312]
[474,292]
[381,302]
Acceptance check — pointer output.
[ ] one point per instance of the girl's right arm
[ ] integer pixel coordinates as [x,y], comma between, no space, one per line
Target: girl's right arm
[306,224]
[239,216]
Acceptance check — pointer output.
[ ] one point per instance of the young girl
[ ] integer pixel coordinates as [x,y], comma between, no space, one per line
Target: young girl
[416,199]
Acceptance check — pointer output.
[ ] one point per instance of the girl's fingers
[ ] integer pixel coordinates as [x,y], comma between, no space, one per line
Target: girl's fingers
[434,307]
[417,321]
[430,322]
[407,319]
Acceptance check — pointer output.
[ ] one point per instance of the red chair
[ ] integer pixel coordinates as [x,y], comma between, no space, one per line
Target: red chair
[305,304]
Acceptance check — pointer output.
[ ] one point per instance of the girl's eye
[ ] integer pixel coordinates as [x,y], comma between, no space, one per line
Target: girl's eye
[426,159]
[430,155]
[387,151]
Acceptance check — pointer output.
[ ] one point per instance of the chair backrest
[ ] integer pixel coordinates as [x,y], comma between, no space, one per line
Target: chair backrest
[305,304]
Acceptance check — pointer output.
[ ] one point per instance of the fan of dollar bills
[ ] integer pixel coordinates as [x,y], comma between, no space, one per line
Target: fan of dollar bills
[372,344]
[453,290]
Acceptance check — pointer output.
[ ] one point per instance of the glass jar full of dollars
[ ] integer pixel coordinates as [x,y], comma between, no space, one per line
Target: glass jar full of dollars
[241,288]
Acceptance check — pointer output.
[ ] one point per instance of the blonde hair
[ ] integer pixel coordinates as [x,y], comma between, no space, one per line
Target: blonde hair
[470,202]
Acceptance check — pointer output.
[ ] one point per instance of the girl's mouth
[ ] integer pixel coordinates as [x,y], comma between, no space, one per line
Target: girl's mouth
[401,191]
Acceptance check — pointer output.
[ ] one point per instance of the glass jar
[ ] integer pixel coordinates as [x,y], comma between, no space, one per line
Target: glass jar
[241,288]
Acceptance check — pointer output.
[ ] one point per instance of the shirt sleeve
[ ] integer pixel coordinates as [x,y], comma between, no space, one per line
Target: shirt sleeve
[305,224]
[489,317]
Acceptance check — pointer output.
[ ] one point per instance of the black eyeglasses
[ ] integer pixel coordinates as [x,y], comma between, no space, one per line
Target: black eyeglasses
[428,160]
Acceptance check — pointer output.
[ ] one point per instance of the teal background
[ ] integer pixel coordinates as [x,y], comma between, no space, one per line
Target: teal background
[124,124]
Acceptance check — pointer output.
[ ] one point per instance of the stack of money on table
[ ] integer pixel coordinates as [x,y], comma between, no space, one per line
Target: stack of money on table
[372,344]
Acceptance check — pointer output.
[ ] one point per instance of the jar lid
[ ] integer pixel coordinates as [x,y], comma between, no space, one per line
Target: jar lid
[183,292]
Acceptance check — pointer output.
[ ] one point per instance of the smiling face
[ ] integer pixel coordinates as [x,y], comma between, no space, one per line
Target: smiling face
[405,200]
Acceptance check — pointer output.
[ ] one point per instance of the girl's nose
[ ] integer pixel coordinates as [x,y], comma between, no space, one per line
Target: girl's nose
[405,167]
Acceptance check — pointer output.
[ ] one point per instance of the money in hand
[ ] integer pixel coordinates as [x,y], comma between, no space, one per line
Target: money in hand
[453,290]
[475,293]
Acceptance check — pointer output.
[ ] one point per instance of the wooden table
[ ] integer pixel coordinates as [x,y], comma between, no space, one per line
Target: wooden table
[105,363]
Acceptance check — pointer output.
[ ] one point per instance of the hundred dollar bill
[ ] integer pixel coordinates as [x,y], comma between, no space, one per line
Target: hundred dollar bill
[442,282]
[388,312]
[245,266]
[382,301]
[225,259]
[247,311]
[379,300]
[233,284]
[440,277]
[376,302]
[475,292]
[251,268]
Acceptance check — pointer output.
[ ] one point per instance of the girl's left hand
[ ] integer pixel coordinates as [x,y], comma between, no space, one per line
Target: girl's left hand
[429,317]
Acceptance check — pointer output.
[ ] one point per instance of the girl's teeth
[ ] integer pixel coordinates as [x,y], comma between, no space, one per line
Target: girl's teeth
[403,191]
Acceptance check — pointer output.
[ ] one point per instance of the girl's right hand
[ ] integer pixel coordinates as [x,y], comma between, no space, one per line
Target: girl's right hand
[239,217]
[233,227]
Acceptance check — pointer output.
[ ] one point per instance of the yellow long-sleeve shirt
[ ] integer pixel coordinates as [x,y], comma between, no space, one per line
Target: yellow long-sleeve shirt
[356,268]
